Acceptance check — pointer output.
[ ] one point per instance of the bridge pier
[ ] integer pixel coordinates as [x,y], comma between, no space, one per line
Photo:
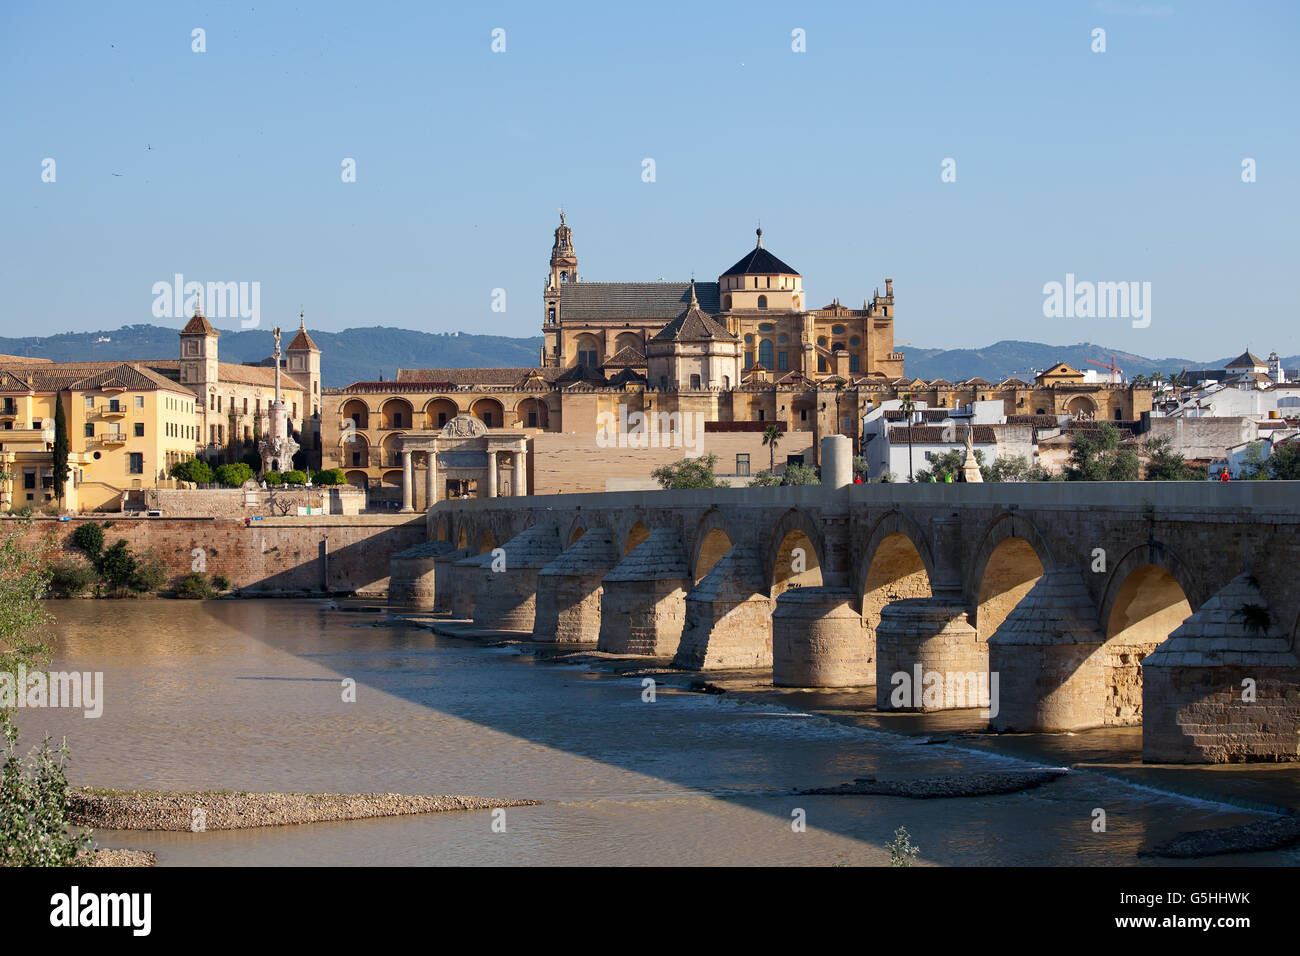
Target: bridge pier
[643,607]
[444,577]
[928,654]
[412,575]
[818,640]
[464,584]
[1224,688]
[569,590]
[507,598]
[728,616]
[1046,656]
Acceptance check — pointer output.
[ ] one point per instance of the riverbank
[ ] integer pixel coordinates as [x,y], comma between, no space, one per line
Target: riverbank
[220,810]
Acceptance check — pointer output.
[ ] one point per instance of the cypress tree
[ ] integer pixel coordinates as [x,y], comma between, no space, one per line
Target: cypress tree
[60,448]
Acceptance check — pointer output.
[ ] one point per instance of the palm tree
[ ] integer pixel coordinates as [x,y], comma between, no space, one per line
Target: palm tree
[771,435]
[909,407]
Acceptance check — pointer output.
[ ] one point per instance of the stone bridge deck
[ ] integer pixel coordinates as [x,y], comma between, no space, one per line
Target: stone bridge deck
[1054,605]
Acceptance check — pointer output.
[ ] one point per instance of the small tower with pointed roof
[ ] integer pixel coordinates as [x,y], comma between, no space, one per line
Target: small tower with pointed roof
[198,365]
[564,260]
[304,365]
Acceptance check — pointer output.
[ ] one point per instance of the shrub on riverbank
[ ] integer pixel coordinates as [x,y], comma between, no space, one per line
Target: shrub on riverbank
[233,476]
[34,790]
[294,477]
[72,578]
[194,587]
[89,538]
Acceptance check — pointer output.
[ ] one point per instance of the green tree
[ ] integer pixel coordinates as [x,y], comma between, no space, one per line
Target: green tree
[294,477]
[771,436]
[688,473]
[233,475]
[1165,464]
[60,448]
[1007,468]
[1097,455]
[1284,463]
[329,476]
[797,474]
[192,469]
[34,791]
[949,463]
[90,538]
[1254,463]
[860,467]
[117,566]
[765,479]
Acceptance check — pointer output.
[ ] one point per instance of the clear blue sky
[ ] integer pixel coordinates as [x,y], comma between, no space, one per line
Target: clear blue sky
[1123,165]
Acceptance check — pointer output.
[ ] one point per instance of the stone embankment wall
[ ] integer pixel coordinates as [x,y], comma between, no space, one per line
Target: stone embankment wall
[237,503]
[317,554]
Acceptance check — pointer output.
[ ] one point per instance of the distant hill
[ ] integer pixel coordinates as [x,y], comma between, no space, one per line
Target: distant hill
[371,353]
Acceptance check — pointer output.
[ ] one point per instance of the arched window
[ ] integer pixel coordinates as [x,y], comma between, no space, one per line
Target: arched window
[550,315]
[749,339]
[695,381]
[765,354]
[762,302]
[564,276]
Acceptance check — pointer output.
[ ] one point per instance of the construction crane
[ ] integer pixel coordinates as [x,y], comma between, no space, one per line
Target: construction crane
[1114,369]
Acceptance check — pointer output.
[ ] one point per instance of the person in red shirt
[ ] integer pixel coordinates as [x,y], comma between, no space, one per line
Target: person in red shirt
[1223,475]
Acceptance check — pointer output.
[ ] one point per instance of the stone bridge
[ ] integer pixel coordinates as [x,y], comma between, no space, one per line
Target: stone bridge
[1053,606]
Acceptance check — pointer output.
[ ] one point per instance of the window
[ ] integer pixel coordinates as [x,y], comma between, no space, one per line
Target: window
[29,479]
[837,330]
[803,414]
[765,354]
[749,360]
[762,302]
[587,357]
[139,429]
[821,363]
[442,419]
[742,464]
[726,303]
[854,342]
[245,406]
[783,338]
[822,340]
[766,327]
[397,416]
[139,401]
[137,463]
[550,315]
[532,419]
[726,381]
[853,363]
[356,458]
[1117,415]
[695,381]
[762,415]
[90,429]
[90,401]
[783,360]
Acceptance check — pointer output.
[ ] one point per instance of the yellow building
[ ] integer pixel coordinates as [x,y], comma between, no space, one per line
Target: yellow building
[129,422]
[126,425]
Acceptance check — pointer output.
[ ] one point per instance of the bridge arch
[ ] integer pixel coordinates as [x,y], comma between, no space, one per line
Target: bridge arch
[713,538]
[636,533]
[1149,593]
[577,528]
[1012,555]
[783,568]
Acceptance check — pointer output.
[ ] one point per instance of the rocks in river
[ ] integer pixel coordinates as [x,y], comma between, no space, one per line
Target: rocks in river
[121,857]
[225,810]
[1277,833]
[952,785]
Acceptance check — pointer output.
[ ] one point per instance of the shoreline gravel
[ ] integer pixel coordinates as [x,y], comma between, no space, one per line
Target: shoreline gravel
[222,810]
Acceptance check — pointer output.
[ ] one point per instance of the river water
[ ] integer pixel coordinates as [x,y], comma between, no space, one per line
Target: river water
[247,695]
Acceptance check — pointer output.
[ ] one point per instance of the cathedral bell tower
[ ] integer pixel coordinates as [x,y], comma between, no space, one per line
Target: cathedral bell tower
[564,269]
[564,261]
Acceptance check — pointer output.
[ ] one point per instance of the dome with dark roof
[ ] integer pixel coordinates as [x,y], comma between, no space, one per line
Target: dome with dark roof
[760,262]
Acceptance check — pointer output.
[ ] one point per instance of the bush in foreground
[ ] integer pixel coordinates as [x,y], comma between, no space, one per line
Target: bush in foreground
[194,587]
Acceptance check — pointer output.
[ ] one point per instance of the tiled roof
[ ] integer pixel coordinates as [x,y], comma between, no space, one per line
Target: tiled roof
[1245,360]
[303,341]
[581,375]
[694,325]
[758,261]
[633,300]
[1013,383]
[627,357]
[627,376]
[57,376]
[234,373]
[198,323]
[934,435]
[476,376]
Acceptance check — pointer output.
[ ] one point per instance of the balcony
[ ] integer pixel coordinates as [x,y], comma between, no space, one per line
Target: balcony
[8,411]
[112,439]
[112,410]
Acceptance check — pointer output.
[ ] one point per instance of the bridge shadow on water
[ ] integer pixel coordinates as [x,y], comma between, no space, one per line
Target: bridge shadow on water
[536,713]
